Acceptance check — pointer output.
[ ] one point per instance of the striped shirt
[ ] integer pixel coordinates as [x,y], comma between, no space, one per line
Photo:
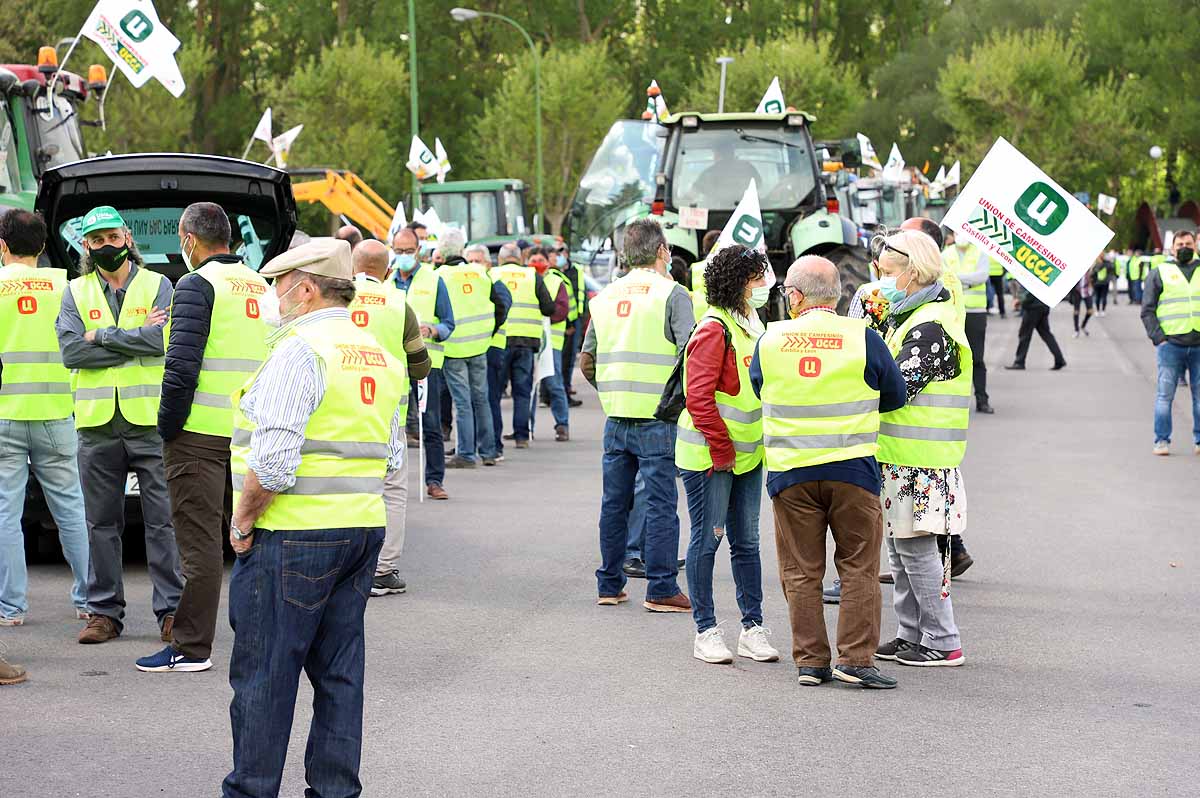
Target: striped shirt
[284,396]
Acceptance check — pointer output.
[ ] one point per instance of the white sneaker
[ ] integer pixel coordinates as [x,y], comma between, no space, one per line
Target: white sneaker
[753,643]
[710,647]
[1162,448]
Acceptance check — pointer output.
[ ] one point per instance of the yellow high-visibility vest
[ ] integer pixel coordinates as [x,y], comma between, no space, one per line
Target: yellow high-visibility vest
[36,387]
[422,298]
[470,292]
[1179,303]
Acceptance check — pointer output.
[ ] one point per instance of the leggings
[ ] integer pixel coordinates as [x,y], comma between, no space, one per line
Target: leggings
[1101,296]
[1075,303]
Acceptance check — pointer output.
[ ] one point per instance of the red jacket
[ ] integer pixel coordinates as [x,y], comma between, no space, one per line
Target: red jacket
[711,368]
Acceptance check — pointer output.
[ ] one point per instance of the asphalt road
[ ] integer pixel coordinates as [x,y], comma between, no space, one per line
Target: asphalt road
[497,675]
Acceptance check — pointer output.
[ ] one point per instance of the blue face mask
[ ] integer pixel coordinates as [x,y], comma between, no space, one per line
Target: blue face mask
[405,262]
[887,287]
[561,260]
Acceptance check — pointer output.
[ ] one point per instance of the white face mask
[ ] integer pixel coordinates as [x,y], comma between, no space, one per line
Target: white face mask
[759,296]
[187,256]
[288,318]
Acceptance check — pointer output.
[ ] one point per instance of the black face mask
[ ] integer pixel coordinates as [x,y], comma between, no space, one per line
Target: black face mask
[110,257]
[1184,256]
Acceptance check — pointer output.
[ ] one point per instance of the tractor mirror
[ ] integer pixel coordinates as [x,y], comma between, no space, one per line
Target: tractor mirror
[30,88]
[8,79]
[851,153]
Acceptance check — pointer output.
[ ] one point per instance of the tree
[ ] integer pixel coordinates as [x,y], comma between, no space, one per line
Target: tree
[580,100]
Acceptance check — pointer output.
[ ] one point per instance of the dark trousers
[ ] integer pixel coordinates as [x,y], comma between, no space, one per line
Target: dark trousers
[803,513]
[997,281]
[201,491]
[1101,296]
[106,454]
[497,377]
[1135,292]
[570,352]
[431,419]
[520,372]
[976,327]
[1036,317]
[296,602]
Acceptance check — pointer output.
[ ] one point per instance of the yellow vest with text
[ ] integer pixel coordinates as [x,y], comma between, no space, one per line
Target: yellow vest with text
[817,405]
[742,413]
[470,291]
[974,297]
[1179,303]
[525,315]
[634,358]
[422,298]
[36,386]
[134,385]
[236,346]
[500,337]
[699,290]
[343,461]
[378,308]
[558,330]
[931,430]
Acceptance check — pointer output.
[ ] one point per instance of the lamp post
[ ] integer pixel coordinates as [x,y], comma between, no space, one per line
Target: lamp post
[1155,153]
[412,92]
[468,14]
[724,61]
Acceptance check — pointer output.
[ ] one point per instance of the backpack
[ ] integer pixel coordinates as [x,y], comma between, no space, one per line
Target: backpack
[674,398]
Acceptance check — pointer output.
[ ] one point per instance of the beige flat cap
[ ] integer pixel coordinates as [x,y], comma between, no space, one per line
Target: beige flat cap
[327,257]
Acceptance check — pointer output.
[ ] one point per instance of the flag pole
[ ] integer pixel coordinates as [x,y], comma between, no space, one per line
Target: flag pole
[246,151]
[421,439]
[61,64]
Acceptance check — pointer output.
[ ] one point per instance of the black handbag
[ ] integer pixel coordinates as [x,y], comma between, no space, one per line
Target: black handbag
[674,399]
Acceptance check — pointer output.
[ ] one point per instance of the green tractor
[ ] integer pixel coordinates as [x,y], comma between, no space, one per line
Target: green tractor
[491,212]
[704,165]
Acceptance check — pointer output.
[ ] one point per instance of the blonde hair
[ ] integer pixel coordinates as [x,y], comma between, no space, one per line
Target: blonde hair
[924,259]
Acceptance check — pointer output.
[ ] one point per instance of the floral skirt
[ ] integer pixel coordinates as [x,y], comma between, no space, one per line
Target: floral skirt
[923,501]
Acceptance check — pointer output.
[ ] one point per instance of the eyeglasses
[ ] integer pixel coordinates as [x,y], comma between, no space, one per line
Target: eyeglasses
[879,245]
[405,250]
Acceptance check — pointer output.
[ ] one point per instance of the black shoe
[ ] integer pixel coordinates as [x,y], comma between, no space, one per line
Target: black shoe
[985,408]
[890,649]
[1059,366]
[388,583]
[886,578]
[635,568]
[681,564]
[833,594]
[812,677]
[959,563]
[868,677]
[573,402]
[1015,367]
[510,437]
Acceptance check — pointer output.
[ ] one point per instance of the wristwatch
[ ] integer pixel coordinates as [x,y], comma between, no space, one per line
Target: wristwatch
[239,534]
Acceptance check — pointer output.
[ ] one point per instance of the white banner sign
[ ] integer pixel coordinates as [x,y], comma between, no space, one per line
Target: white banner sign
[1106,204]
[693,218]
[869,156]
[130,33]
[745,226]
[1045,237]
[772,101]
[421,160]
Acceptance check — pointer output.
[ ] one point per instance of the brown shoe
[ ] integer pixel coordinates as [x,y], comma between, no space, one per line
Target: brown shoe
[677,603]
[522,444]
[612,601]
[437,492]
[168,624]
[99,629]
[11,674]
[561,433]
[886,578]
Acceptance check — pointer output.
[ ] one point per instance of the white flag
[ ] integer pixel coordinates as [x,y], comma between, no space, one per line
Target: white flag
[660,109]
[952,176]
[894,169]
[263,131]
[1106,204]
[869,157]
[443,160]
[282,144]
[543,367]
[421,160]
[131,34]
[652,93]
[433,223]
[745,226]
[772,101]
[938,186]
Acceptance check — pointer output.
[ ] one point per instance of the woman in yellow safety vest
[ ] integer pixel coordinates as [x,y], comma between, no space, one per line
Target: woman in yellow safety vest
[920,448]
[719,449]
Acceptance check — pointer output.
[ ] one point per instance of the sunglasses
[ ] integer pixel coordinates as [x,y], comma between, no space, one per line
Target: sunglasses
[879,245]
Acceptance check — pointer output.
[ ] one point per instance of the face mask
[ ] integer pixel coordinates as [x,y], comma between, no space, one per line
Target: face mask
[405,262]
[427,248]
[793,310]
[187,256]
[540,265]
[1184,256]
[110,257]
[759,296]
[887,287]
[287,318]
[561,260]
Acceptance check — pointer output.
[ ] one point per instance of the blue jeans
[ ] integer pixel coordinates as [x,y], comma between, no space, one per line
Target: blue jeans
[296,603]
[1173,361]
[49,448]
[466,377]
[727,502]
[629,448]
[1135,292]
[520,372]
[637,520]
[497,365]
[431,421]
[558,394]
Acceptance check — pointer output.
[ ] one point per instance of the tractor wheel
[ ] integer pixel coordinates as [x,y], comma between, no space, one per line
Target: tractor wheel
[854,269]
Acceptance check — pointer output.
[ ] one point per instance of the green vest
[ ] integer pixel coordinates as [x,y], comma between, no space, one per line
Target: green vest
[525,315]
[578,290]
[500,337]
[1155,261]
[699,289]
[135,384]
[343,461]
[1135,269]
[558,330]
[1102,271]
[742,413]
[422,298]
[634,359]
[474,314]
[931,430]
[36,386]
[236,346]
[974,297]
[379,309]
[817,406]
[1121,265]
[1179,303]
[995,268]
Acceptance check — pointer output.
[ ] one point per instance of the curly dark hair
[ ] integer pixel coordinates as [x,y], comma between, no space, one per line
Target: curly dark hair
[726,276]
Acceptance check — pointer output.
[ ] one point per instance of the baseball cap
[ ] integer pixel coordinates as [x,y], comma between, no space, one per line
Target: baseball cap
[104,217]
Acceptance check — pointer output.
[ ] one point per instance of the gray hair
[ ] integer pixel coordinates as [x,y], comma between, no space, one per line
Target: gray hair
[451,243]
[480,248]
[510,250]
[332,289]
[87,266]
[207,222]
[643,237]
[815,277]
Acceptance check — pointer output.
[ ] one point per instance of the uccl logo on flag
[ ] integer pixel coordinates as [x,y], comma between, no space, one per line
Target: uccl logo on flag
[1042,208]
[137,26]
[747,231]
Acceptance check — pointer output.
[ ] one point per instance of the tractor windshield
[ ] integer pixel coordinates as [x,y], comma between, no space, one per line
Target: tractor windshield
[59,133]
[619,179]
[713,166]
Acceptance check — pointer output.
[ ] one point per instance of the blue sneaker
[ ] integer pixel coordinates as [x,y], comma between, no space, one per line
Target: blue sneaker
[833,595]
[171,661]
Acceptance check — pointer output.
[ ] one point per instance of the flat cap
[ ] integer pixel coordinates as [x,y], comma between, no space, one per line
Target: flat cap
[327,257]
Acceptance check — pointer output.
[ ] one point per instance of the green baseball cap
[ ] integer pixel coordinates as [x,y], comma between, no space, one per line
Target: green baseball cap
[104,217]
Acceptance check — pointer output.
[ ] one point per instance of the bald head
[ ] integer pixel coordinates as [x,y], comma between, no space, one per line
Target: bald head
[350,234]
[371,258]
[405,239]
[815,280]
[927,226]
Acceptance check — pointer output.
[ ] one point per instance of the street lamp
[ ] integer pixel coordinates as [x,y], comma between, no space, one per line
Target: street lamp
[412,92]
[724,61]
[469,14]
[1155,153]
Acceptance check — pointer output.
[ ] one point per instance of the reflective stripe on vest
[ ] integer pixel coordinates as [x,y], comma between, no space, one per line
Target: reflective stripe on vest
[742,413]
[500,337]
[36,386]
[134,385]
[634,359]
[974,296]
[343,460]
[931,430]
[1179,303]
[474,314]
[558,330]
[817,405]
[525,315]
[380,309]
[236,345]
[422,298]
